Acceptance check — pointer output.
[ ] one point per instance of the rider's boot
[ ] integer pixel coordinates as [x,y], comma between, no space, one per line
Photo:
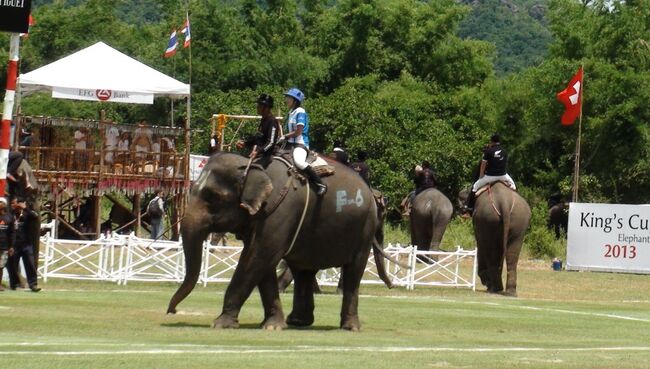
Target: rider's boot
[321,187]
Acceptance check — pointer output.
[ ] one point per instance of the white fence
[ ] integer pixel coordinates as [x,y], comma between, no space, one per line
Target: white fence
[122,259]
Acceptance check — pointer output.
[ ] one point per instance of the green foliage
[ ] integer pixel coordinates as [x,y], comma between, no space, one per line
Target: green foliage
[540,241]
[393,78]
[399,124]
[517,28]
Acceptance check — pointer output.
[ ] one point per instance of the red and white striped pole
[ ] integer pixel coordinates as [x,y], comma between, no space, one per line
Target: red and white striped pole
[7,112]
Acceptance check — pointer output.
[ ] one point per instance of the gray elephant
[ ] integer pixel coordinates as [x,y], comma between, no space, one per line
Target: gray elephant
[501,218]
[431,211]
[277,216]
[558,218]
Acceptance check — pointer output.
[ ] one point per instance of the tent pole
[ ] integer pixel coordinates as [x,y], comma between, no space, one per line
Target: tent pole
[7,115]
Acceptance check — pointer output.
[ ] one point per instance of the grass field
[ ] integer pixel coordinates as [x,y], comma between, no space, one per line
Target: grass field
[560,320]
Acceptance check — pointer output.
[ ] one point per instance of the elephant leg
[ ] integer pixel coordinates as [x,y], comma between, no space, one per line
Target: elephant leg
[352,274]
[512,259]
[302,314]
[251,269]
[273,315]
[482,268]
[285,279]
[495,269]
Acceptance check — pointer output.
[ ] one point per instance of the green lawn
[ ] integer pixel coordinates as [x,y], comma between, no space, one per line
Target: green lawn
[560,320]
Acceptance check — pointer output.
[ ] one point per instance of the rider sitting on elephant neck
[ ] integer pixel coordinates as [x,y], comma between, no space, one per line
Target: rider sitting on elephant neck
[425,178]
[493,169]
[263,142]
[297,137]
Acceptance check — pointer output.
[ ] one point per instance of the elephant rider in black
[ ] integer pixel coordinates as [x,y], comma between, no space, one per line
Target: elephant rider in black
[361,167]
[267,133]
[339,154]
[493,168]
[24,246]
[425,178]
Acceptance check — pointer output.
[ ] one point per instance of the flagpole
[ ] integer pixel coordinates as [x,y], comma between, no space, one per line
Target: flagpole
[576,174]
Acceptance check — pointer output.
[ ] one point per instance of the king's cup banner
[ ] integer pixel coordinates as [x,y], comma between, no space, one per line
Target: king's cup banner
[609,238]
[102,95]
[14,15]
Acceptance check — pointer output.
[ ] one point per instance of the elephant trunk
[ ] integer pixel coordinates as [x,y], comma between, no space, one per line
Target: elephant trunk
[193,249]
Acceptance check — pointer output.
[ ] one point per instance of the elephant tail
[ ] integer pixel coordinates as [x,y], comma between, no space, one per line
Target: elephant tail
[193,256]
[378,252]
[506,215]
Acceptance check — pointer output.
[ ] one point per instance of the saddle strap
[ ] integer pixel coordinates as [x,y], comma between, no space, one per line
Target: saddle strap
[283,193]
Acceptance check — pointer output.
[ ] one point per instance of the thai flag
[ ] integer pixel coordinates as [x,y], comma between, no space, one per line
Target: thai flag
[187,33]
[172,45]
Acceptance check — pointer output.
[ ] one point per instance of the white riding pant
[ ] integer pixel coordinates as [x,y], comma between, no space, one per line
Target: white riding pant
[300,157]
[490,179]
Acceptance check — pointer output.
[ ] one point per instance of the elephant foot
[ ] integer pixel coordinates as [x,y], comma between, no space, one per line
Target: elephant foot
[274,324]
[510,292]
[225,322]
[300,321]
[494,291]
[484,278]
[351,324]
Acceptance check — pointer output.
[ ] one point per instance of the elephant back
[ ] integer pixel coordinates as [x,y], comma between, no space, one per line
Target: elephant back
[499,199]
[432,200]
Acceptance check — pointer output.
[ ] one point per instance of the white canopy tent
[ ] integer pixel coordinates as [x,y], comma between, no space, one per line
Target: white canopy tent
[101,73]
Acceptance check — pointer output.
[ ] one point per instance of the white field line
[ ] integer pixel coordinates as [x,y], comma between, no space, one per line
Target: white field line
[429,298]
[334,349]
[524,307]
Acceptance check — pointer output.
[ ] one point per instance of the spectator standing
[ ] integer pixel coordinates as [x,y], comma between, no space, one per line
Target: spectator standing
[156,212]
[7,235]
[24,246]
[111,137]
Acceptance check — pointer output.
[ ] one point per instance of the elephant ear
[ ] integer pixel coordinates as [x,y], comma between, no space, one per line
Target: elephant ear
[257,188]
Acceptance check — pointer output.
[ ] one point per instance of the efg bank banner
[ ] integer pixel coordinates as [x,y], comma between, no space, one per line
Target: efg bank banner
[14,15]
[609,237]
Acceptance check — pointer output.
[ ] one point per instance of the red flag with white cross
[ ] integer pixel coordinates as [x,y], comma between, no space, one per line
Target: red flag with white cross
[571,97]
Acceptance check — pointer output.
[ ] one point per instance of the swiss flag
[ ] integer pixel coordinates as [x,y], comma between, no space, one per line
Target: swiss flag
[571,97]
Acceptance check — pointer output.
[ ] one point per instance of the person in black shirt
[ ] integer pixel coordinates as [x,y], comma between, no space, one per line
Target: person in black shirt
[425,178]
[361,167]
[24,245]
[7,235]
[267,133]
[339,154]
[493,168]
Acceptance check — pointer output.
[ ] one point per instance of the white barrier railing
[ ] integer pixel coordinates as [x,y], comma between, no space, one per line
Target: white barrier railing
[128,258]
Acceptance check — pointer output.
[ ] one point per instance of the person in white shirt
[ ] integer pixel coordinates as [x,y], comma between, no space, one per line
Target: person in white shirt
[123,148]
[110,143]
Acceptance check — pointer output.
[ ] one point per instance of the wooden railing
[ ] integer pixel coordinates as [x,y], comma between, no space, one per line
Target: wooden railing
[160,165]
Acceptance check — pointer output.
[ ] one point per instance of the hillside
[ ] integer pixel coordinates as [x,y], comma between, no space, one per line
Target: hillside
[517,27]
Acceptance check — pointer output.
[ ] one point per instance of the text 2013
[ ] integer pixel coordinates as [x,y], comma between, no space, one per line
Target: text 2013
[620,251]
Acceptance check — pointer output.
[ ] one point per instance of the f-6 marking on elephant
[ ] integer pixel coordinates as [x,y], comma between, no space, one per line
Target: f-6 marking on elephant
[265,209]
[501,218]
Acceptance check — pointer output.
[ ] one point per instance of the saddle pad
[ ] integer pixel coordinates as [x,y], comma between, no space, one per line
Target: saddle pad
[487,186]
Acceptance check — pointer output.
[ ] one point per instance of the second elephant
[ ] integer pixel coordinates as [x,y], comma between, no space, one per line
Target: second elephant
[431,211]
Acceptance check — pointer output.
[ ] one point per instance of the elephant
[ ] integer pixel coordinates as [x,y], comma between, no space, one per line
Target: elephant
[558,218]
[285,277]
[431,211]
[501,218]
[277,216]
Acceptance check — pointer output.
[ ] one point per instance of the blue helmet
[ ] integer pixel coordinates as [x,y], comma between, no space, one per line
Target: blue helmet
[296,94]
